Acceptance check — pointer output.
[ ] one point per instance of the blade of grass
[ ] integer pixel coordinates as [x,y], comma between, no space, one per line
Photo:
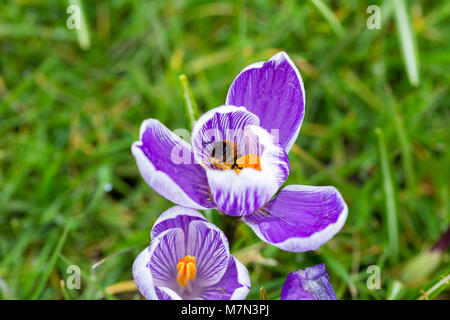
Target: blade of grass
[316,164]
[53,260]
[62,286]
[395,290]
[363,91]
[122,287]
[190,106]
[111,256]
[83,32]
[405,145]
[5,291]
[437,288]
[388,186]
[407,43]
[326,12]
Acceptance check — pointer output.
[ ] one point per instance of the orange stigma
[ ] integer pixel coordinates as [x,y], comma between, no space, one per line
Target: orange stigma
[249,161]
[186,270]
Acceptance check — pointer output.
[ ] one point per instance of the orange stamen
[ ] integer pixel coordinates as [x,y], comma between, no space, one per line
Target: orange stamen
[249,161]
[186,270]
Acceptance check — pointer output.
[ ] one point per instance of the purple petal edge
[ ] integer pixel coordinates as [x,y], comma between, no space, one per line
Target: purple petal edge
[274,91]
[183,181]
[175,217]
[300,218]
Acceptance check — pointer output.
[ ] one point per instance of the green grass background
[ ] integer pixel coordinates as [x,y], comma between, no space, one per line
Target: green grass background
[71,105]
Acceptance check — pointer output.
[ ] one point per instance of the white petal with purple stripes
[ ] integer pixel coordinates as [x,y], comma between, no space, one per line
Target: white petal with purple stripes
[209,246]
[175,217]
[234,285]
[179,232]
[165,250]
[218,124]
[243,193]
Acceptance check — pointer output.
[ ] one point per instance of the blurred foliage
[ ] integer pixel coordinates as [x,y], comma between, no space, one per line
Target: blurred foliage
[70,192]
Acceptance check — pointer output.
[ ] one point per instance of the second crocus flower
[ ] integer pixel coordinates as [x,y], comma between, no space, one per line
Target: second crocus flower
[189,258]
[312,283]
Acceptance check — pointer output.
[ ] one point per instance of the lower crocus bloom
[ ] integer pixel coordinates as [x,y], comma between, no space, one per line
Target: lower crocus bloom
[189,258]
[311,283]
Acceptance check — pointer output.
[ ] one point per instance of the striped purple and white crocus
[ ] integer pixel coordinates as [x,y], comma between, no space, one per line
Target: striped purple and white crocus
[312,283]
[189,258]
[237,160]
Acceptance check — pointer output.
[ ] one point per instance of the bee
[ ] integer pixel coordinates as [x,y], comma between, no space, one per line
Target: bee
[224,155]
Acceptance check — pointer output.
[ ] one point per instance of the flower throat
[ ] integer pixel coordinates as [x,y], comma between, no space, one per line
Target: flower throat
[226,156]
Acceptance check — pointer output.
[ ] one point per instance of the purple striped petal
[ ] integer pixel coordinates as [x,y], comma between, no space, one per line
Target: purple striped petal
[175,217]
[165,293]
[209,245]
[165,251]
[243,193]
[300,218]
[234,285]
[166,163]
[218,124]
[155,269]
[312,283]
[273,91]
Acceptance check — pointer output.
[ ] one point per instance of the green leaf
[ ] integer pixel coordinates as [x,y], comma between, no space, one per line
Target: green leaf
[389,194]
[438,285]
[407,42]
[326,12]
[83,32]
[53,260]
[190,106]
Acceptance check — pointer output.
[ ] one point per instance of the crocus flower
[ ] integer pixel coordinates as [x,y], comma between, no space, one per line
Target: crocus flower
[311,283]
[237,160]
[189,258]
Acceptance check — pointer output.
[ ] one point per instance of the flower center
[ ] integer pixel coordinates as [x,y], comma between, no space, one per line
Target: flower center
[225,156]
[186,270]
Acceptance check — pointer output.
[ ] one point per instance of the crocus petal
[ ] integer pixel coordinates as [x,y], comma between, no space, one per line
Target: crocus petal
[180,232]
[209,245]
[312,283]
[234,285]
[166,163]
[165,293]
[165,250]
[143,277]
[175,217]
[218,124]
[300,218]
[243,193]
[274,91]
